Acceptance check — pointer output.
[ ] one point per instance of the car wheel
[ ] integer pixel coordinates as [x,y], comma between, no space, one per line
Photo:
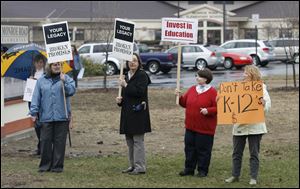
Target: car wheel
[228,63]
[166,70]
[255,60]
[264,63]
[200,64]
[153,67]
[111,68]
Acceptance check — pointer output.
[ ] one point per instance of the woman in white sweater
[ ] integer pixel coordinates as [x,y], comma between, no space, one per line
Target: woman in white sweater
[253,132]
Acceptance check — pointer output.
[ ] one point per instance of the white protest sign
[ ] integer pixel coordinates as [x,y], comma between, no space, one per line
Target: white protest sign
[29,88]
[123,39]
[80,74]
[57,42]
[179,30]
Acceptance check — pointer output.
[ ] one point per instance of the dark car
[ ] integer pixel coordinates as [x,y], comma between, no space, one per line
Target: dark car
[158,61]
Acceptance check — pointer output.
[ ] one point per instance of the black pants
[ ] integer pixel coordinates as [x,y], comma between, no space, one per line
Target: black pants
[75,74]
[38,134]
[197,150]
[53,145]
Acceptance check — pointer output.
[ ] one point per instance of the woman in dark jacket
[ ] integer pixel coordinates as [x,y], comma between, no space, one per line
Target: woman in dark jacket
[135,117]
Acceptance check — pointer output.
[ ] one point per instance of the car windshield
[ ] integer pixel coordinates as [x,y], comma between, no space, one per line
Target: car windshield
[267,44]
[216,49]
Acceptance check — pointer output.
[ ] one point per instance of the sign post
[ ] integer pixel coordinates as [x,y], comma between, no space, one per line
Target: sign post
[123,43]
[180,30]
[255,20]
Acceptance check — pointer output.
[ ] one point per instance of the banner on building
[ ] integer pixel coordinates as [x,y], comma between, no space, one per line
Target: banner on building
[123,39]
[239,102]
[29,89]
[57,42]
[14,34]
[182,30]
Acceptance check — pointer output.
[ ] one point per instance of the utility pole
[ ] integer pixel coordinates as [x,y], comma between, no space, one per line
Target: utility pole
[224,22]
[91,19]
[178,10]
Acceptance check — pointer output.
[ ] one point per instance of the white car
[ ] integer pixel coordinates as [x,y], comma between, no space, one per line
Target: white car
[197,56]
[97,53]
[247,46]
[286,48]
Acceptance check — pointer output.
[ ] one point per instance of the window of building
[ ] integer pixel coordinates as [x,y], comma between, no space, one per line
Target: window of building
[228,35]
[285,33]
[157,34]
[79,34]
[197,2]
[71,34]
[250,34]
[213,24]
[221,2]
[200,24]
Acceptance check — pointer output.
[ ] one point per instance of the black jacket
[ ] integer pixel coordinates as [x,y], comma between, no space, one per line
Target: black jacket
[135,122]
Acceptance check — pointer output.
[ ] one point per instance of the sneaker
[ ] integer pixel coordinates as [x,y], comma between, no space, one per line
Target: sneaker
[135,172]
[185,173]
[253,182]
[128,170]
[232,179]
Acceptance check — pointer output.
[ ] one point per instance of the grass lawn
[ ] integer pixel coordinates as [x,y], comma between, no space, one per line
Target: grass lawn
[99,152]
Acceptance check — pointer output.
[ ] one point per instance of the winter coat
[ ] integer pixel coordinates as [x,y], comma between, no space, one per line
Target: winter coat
[256,128]
[48,100]
[135,122]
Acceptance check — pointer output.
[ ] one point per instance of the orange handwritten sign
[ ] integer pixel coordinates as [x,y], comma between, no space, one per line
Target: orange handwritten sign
[238,102]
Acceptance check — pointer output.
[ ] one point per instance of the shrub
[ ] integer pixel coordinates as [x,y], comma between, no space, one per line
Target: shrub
[92,69]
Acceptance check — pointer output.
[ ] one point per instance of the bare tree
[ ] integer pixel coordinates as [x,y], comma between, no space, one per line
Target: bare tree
[271,32]
[103,30]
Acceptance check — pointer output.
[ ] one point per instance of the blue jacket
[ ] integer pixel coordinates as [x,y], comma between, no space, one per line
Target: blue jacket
[77,62]
[48,101]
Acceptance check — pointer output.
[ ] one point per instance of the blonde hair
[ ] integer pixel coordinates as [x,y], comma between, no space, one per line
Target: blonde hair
[253,72]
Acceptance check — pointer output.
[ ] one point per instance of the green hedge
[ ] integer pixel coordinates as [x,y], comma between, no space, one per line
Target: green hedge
[92,69]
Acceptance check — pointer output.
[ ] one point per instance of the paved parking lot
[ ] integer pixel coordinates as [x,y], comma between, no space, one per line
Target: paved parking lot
[161,80]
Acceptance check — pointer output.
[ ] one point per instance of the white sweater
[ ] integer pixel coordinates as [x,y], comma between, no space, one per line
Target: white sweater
[257,128]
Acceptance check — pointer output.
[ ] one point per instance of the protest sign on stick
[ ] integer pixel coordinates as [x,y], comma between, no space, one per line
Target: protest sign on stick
[180,30]
[123,43]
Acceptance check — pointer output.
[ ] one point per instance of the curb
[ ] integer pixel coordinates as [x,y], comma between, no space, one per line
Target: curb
[18,135]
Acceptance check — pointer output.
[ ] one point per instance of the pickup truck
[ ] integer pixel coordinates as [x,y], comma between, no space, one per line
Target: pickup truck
[158,61]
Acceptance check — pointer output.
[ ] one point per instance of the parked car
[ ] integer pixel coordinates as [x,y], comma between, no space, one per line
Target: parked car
[97,53]
[231,59]
[286,49]
[143,48]
[264,54]
[197,56]
[158,61]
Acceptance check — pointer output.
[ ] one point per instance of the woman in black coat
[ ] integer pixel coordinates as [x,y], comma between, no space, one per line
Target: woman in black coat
[135,117]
